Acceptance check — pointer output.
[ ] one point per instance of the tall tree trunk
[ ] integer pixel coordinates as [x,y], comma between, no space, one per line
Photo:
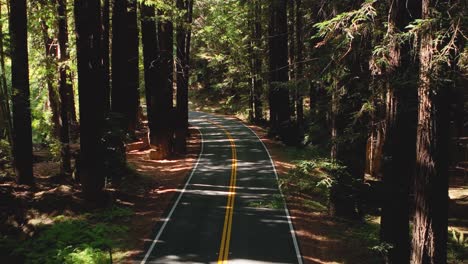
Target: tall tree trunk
[50,55]
[291,40]
[132,65]
[121,94]
[106,51]
[278,68]
[431,182]
[161,137]
[292,55]
[182,89]
[188,37]
[258,81]
[300,64]
[400,135]
[63,83]
[251,60]
[92,101]
[150,57]
[22,131]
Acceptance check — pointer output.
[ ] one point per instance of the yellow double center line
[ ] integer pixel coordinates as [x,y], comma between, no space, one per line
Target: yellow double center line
[226,238]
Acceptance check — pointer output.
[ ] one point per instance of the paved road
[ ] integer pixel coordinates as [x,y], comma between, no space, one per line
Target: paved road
[230,209]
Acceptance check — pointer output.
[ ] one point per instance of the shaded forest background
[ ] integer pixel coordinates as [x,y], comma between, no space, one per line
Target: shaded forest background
[374,92]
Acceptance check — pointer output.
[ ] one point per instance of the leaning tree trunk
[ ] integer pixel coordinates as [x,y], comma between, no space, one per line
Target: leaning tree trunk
[92,103]
[63,83]
[431,182]
[400,135]
[22,131]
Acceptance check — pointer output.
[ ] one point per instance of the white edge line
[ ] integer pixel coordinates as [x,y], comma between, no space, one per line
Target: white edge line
[288,216]
[155,240]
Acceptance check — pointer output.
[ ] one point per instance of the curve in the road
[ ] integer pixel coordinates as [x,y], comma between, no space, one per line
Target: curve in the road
[230,208]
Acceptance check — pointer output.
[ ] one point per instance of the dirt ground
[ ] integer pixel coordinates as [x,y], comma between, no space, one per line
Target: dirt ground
[324,239]
[24,209]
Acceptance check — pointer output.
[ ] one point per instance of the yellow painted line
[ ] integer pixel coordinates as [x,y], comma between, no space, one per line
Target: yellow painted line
[227,228]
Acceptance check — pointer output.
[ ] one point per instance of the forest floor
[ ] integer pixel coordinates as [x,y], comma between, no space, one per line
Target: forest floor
[52,222]
[325,239]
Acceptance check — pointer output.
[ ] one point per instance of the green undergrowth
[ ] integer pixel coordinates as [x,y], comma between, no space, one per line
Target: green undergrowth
[314,178]
[457,246]
[273,202]
[88,238]
[311,179]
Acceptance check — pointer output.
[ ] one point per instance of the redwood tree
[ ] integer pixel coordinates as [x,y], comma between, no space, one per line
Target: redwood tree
[431,182]
[120,94]
[183,37]
[92,101]
[133,101]
[257,63]
[278,67]
[299,63]
[400,131]
[22,132]
[106,50]
[150,54]
[161,136]
[125,62]
[181,129]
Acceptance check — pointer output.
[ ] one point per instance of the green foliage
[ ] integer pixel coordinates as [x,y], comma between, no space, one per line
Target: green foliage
[274,202]
[221,54]
[86,239]
[112,214]
[317,175]
[457,249]
[345,26]
[5,159]
[447,28]
[88,255]
[55,148]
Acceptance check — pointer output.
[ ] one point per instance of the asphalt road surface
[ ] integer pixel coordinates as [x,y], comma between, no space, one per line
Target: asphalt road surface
[230,210]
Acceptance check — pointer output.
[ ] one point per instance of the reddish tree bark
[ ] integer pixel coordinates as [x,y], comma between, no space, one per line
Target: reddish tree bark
[431,182]
[161,136]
